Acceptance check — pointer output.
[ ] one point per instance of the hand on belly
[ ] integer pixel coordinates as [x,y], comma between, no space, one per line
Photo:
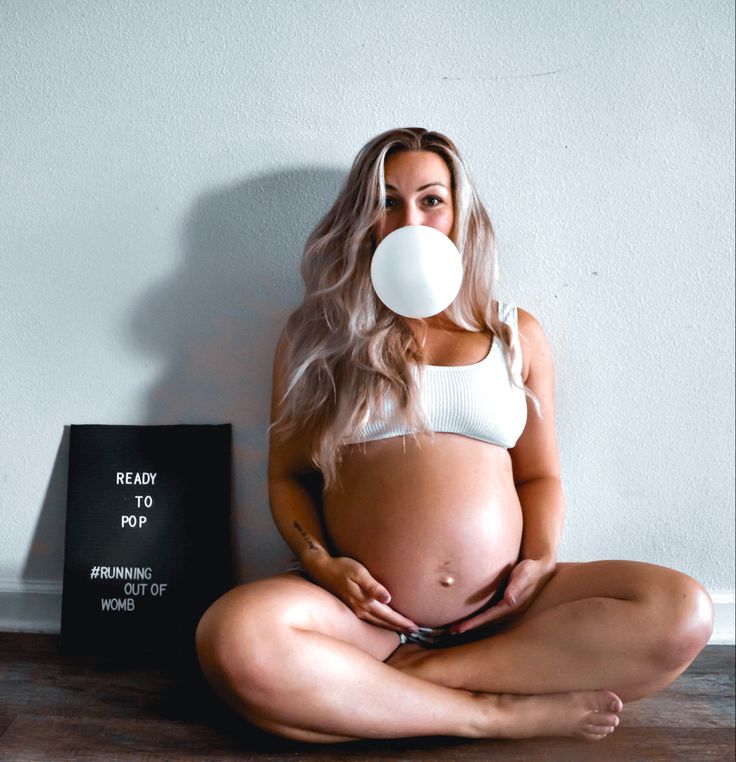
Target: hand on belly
[439,562]
[433,592]
[439,525]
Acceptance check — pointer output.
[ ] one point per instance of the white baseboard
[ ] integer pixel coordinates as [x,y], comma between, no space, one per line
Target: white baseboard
[35,606]
[30,606]
[724,625]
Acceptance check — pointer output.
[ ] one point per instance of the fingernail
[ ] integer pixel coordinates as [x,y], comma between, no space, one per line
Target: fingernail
[614,706]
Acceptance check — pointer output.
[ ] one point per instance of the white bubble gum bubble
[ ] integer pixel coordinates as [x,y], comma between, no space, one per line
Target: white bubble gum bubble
[416,271]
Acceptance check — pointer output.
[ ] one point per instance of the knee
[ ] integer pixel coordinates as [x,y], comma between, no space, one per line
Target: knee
[236,647]
[684,619]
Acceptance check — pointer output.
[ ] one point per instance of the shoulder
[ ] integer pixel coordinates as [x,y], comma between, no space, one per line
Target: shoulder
[535,350]
[281,362]
[528,324]
[281,348]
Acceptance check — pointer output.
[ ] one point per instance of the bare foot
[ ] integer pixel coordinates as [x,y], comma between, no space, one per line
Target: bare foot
[585,714]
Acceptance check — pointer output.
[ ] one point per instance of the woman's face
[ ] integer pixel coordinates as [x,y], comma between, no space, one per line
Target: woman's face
[418,192]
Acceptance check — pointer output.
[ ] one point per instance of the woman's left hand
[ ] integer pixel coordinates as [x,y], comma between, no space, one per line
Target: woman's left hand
[525,582]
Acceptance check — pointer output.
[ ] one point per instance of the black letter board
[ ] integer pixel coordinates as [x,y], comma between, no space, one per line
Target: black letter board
[147,537]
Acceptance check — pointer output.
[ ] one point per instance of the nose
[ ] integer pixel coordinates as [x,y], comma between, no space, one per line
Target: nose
[411,216]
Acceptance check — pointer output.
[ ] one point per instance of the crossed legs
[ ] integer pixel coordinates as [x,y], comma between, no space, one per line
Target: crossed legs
[626,626]
[294,660]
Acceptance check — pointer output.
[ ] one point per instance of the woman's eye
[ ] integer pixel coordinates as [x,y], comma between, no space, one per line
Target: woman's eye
[433,200]
[389,203]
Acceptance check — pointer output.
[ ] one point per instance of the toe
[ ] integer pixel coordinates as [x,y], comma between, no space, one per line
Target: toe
[607,701]
[596,732]
[603,720]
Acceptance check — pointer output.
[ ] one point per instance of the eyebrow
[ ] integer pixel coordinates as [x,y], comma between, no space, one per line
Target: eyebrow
[428,185]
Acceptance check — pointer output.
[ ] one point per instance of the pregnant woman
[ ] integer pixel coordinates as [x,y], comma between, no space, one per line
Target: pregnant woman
[413,470]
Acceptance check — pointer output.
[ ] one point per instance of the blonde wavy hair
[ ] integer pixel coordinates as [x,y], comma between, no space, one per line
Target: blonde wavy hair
[346,353]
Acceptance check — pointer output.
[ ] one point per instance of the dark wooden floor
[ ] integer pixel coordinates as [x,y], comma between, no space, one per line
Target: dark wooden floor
[56,708]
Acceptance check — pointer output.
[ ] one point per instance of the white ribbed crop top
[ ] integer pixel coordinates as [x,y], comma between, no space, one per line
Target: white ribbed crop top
[478,401]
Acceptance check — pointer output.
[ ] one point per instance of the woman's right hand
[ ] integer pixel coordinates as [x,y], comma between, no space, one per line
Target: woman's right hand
[353,584]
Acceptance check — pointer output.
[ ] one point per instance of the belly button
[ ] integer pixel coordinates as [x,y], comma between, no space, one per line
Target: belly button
[447,581]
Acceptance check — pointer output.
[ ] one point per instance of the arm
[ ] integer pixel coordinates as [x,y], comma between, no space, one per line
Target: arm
[291,501]
[542,505]
[292,496]
[535,458]
[289,477]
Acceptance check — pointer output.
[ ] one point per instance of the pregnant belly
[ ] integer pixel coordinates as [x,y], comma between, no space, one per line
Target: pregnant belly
[438,525]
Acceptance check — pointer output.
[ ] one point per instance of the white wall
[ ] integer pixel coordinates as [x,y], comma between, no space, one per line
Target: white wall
[163,162]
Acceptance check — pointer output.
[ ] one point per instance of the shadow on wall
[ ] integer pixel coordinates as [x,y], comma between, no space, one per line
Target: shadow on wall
[45,561]
[214,323]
